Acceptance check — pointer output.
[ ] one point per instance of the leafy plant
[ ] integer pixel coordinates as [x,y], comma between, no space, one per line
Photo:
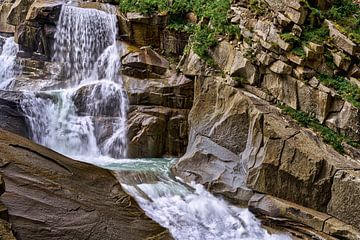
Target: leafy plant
[212,16]
[331,137]
[346,89]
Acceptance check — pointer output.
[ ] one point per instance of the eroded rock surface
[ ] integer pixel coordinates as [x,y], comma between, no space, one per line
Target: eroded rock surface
[49,196]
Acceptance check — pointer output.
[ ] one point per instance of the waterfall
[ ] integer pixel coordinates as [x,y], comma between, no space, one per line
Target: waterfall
[8,63]
[86,119]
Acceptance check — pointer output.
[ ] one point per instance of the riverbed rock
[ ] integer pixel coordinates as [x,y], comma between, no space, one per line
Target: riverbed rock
[50,196]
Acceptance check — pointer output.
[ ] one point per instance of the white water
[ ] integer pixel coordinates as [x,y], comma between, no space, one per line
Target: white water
[7,63]
[189,212]
[86,47]
[74,120]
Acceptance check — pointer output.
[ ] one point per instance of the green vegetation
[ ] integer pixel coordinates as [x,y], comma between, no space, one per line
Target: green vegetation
[346,89]
[258,7]
[331,137]
[299,51]
[290,37]
[315,34]
[212,16]
[346,13]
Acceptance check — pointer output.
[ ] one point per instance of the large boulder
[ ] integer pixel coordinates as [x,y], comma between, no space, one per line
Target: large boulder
[174,92]
[155,131]
[144,63]
[50,196]
[270,154]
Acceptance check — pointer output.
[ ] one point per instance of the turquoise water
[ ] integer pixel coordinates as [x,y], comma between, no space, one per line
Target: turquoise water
[187,210]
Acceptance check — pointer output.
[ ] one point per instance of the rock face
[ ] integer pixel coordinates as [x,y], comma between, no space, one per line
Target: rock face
[49,196]
[157,119]
[11,116]
[255,143]
[242,144]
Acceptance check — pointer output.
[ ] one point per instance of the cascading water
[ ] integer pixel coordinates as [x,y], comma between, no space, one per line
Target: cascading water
[87,121]
[94,104]
[189,212]
[8,63]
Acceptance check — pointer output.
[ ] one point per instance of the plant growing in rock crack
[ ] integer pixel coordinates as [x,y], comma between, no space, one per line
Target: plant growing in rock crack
[212,16]
[331,137]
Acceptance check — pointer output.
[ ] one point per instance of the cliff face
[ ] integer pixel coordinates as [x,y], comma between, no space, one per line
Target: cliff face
[273,123]
[247,134]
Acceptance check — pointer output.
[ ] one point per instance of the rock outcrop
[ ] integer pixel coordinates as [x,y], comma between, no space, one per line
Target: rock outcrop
[49,196]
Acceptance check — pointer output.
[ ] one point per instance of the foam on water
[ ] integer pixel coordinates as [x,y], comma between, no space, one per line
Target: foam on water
[75,121]
[8,63]
[86,48]
[189,212]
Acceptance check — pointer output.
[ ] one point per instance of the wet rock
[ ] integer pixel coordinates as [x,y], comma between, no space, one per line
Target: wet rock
[50,196]
[216,167]
[98,100]
[12,117]
[46,11]
[174,92]
[278,208]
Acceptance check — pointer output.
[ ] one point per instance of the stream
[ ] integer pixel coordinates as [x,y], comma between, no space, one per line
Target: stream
[87,50]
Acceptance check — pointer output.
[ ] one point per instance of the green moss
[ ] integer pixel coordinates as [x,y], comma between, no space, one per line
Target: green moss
[329,136]
[211,14]
[346,89]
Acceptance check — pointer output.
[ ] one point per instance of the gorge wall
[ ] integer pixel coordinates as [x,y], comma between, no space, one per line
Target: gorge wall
[268,124]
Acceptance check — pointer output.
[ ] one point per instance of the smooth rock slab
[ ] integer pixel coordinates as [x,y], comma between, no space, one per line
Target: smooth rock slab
[50,196]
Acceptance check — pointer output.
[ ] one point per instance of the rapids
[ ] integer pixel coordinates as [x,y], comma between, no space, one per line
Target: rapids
[86,120]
